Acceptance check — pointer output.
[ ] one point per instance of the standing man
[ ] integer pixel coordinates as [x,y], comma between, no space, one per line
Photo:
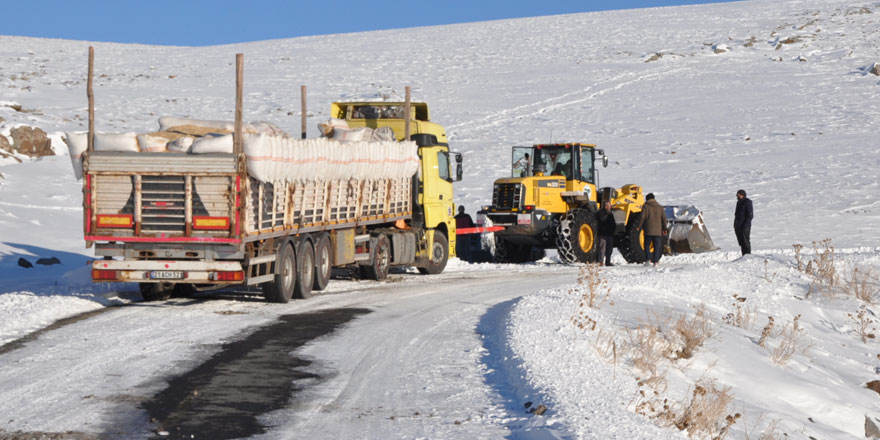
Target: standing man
[464,243]
[742,222]
[654,222]
[607,228]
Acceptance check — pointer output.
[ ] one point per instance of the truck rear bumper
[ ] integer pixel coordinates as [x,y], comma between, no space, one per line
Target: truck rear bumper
[162,271]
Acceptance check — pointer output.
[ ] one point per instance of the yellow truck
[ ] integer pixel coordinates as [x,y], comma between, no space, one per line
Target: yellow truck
[271,211]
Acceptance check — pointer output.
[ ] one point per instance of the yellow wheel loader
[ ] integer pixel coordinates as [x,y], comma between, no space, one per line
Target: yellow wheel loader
[551,200]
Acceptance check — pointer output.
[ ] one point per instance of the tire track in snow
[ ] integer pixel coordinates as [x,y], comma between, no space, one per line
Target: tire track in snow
[507,115]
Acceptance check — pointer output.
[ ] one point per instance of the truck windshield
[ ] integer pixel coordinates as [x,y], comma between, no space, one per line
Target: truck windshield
[378,112]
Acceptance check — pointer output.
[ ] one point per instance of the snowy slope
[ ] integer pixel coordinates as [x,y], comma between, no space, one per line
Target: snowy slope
[772,97]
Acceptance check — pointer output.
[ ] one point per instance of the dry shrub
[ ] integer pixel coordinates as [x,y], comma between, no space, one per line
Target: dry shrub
[648,348]
[820,267]
[769,277]
[606,346]
[766,333]
[593,291]
[742,316]
[792,339]
[862,284]
[864,324]
[770,431]
[692,332]
[707,415]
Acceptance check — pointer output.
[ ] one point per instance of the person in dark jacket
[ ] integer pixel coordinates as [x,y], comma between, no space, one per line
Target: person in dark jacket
[653,222]
[607,228]
[742,222]
[464,243]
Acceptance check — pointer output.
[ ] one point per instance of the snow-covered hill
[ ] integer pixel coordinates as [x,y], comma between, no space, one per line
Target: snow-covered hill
[774,97]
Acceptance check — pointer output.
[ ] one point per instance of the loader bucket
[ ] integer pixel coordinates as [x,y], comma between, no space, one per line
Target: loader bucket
[687,231]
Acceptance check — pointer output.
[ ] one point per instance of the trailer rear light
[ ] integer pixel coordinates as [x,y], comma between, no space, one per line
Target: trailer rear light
[529,208]
[104,275]
[236,275]
[211,223]
[115,220]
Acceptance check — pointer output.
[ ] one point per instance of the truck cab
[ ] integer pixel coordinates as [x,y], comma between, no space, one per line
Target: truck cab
[435,209]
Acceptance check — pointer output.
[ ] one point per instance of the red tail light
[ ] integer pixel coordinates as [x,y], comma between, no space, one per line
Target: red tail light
[104,275]
[529,208]
[229,276]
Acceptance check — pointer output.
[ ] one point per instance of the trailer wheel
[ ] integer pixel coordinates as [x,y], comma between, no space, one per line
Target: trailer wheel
[280,289]
[305,274]
[323,262]
[439,255]
[576,237]
[155,291]
[632,243]
[380,260]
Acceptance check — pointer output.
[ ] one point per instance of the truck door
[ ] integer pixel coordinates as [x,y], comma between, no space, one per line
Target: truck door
[437,187]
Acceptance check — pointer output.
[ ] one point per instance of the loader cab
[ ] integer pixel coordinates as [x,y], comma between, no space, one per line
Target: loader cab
[574,162]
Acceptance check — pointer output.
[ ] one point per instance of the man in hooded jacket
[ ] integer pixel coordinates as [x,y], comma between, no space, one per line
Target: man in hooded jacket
[742,222]
[653,222]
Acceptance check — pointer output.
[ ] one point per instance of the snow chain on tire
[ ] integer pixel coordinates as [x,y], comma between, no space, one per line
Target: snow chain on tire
[567,235]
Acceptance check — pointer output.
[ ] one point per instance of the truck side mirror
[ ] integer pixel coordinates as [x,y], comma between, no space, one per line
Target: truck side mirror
[459,170]
[605,161]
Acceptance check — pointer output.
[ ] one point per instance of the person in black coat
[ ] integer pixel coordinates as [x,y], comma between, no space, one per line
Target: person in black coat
[742,222]
[607,228]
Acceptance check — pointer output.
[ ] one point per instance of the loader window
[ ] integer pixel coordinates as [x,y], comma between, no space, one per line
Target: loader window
[586,165]
[521,162]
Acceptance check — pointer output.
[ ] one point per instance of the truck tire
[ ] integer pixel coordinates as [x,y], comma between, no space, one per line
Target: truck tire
[631,244]
[155,291]
[323,262]
[305,270]
[439,255]
[280,289]
[380,260]
[576,239]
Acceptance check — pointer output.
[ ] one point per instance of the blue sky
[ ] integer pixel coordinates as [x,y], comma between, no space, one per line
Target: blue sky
[203,23]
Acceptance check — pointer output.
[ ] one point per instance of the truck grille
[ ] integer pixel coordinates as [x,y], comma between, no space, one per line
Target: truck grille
[507,196]
[163,204]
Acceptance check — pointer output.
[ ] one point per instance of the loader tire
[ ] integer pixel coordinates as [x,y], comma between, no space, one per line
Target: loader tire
[576,239]
[631,244]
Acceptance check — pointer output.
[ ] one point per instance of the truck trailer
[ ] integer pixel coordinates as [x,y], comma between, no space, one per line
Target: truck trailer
[250,205]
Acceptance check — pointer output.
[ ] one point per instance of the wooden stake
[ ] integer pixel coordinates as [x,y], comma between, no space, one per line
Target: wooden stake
[407,115]
[239,86]
[90,93]
[304,115]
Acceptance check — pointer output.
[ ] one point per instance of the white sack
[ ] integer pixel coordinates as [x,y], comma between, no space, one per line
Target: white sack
[326,128]
[77,143]
[152,144]
[181,144]
[116,142]
[383,134]
[274,158]
[212,144]
[352,134]
[168,122]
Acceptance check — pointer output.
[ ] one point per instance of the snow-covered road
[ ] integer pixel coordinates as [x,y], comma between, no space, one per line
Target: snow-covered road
[419,364]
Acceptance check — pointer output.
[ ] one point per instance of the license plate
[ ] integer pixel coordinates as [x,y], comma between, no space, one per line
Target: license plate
[166,275]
